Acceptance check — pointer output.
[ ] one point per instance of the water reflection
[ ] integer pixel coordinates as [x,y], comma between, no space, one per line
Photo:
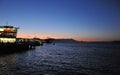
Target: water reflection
[6,62]
[64,59]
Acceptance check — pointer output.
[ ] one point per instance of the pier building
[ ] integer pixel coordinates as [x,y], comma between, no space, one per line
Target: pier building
[8,34]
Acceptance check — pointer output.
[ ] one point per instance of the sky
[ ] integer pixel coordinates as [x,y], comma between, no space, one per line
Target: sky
[83,20]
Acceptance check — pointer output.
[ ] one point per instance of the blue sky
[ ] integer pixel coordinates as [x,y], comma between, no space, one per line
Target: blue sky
[78,19]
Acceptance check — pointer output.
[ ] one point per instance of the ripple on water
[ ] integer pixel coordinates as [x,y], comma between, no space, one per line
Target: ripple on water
[64,59]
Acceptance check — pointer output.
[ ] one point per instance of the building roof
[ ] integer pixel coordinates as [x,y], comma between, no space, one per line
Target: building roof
[8,27]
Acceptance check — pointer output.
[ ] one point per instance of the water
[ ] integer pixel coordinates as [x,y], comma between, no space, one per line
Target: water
[64,59]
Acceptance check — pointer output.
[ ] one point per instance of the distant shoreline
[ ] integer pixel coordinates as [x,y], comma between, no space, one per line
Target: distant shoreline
[75,41]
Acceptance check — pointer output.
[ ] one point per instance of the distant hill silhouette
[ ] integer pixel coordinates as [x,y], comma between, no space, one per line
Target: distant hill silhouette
[65,41]
[75,41]
[116,41]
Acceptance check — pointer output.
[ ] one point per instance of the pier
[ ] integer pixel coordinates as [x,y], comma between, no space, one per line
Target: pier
[9,43]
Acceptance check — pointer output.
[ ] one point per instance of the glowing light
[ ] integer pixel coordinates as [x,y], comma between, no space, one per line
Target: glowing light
[1,29]
[5,40]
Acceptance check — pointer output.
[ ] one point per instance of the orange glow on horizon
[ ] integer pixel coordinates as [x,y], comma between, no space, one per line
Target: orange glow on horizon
[44,36]
[90,39]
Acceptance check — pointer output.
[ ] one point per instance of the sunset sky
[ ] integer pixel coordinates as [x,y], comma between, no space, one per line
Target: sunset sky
[84,20]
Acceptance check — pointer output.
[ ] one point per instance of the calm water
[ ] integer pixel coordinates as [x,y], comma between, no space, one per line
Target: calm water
[64,59]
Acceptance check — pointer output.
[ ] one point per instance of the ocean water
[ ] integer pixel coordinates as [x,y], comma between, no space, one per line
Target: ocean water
[64,59]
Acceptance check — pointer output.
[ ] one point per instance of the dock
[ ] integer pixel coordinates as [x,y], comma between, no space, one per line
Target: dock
[9,43]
